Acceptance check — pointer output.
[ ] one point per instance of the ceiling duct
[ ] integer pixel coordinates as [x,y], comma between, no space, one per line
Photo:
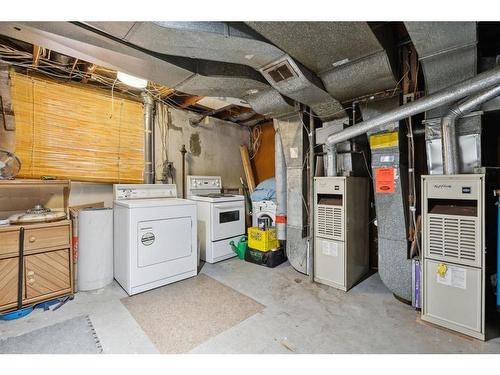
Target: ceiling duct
[447,52]
[231,43]
[197,77]
[348,57]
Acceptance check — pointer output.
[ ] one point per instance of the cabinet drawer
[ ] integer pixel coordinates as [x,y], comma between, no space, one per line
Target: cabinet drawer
[8,281]
[47,273]
[9,243]
[39,238]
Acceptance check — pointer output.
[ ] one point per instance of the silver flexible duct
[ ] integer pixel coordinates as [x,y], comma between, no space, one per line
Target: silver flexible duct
[448,127]
[149,165]
[455,92]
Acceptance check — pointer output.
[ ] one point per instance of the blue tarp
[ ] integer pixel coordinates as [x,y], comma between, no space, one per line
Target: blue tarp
[265,191]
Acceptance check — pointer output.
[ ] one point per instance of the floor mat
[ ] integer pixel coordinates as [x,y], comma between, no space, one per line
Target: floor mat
[180,316]
[73,336]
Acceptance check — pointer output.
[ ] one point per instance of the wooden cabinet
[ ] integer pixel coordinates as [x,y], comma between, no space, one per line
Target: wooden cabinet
[47,265]
[8,281]
[47,273]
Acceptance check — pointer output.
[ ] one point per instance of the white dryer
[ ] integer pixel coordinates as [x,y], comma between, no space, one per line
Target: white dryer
[262,209]
[154,236]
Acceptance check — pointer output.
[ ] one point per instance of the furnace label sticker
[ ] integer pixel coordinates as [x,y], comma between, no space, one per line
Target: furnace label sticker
[330,249]
[294,152]
[455,277]
[384,180]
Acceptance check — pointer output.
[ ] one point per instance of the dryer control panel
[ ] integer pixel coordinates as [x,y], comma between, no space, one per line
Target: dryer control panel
[144,191]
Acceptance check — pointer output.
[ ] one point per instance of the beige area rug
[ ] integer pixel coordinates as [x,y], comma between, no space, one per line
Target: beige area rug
[180,316]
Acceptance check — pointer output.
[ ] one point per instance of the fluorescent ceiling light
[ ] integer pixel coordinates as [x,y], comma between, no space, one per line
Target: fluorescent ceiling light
[132,81]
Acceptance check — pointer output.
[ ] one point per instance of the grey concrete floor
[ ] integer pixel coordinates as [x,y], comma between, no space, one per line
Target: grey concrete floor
[299,317]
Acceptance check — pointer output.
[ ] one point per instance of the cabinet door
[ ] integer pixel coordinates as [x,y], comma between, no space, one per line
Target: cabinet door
[8,281]
[47,273]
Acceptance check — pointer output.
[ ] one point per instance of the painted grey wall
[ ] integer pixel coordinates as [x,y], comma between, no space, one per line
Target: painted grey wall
[213,147]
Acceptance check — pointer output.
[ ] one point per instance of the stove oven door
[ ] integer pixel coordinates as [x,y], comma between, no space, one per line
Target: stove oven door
[228,220]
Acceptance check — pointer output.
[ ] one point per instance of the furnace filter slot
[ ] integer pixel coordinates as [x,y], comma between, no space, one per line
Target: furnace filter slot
[330,199]
[458,207]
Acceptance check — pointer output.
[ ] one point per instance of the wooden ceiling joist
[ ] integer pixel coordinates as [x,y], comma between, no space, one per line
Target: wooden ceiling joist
[36,54]
[190,100]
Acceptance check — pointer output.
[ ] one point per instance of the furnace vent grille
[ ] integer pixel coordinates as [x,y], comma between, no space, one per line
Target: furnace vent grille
[454,238]
[330,223]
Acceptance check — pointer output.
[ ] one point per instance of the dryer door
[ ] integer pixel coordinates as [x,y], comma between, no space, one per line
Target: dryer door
[163,240]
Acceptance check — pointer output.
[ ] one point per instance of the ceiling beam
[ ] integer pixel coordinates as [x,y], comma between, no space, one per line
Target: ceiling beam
[190,100]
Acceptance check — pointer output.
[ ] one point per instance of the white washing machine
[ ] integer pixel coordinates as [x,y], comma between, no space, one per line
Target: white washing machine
[154,236]
[262,209]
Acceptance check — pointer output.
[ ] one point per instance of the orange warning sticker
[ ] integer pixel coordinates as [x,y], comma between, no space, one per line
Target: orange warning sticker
[384,180]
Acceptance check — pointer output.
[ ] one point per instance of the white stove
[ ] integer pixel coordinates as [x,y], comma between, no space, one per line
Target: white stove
[221,217]
[154,236]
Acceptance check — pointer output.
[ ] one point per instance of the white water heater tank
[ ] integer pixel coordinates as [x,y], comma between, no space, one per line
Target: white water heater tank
[95,248]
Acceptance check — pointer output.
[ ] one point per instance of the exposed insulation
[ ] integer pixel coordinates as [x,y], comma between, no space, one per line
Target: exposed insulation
[74,132]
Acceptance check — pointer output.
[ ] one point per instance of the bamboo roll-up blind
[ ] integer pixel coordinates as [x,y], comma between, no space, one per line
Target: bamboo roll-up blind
[75,132]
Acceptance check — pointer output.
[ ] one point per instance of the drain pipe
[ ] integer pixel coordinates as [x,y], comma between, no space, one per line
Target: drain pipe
[448,127]
[149,159]
[455,92]
[280,172]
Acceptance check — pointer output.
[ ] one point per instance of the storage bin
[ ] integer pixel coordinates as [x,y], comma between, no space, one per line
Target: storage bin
[263,240]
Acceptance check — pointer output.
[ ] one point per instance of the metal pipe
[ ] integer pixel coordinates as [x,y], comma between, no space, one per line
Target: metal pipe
[280,175]
[331,161]
[311,195]
[497,193]
[183,152]
[149,160]
[448,127]
[455,92]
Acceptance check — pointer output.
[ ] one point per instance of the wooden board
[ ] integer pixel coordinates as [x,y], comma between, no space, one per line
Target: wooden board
[263,161]
[247,167]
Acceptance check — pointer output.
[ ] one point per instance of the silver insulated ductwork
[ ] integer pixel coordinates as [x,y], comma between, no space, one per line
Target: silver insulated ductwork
[448,54]
[351,59]
[450,150]
[233,43]
[293,139]
[391,207]
[194,76]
